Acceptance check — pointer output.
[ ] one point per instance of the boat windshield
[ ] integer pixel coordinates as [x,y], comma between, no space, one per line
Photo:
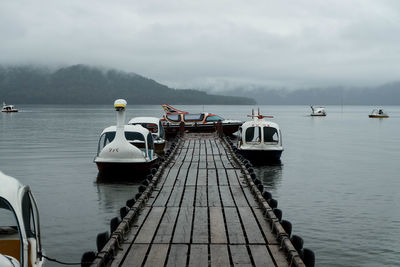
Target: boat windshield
[174,117]
[214,118]
[107,138]
[270,135]
[193,117]
[253,134]
[10,238]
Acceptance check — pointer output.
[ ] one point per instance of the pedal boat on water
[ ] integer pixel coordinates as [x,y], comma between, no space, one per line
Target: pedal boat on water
[259,140]
[195,122]
[8,108]
[118,158]
[378,113]
[20,243]
[318,112]
[154,125]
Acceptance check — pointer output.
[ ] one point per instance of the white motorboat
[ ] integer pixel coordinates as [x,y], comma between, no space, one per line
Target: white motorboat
[155,127]
[118,158]
[259,140]
[8,108]
[318,111]
[20,243]
[378,113]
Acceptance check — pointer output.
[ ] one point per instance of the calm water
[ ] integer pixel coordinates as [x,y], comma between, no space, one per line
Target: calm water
[338,185]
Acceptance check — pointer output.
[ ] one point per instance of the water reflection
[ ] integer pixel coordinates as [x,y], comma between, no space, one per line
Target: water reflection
[270,176]
[113,196]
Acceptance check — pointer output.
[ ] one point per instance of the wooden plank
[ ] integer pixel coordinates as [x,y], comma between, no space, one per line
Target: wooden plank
[192,175]
[261,256]
[253,232]
[173,173]
[198,256]
[265,227]
[135,257]
[278,255]
[222,178]
[183,229]
[200,225]
[219,255]
[201,196]
[235,232]
[213,196]
[163,197]
[249,196]
[176,196]
[177,255]
[202,177]
[212,177]
[188,196]
[226,196]
[146,233]
[166,227]
[157,255]
[217,226]
[218,164]
[238,196]
[231,174]
[240,256]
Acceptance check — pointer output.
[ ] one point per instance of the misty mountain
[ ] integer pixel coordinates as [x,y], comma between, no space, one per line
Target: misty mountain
[81,84]
[388,94]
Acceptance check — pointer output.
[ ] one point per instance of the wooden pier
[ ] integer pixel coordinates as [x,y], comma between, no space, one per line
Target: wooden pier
[200,209]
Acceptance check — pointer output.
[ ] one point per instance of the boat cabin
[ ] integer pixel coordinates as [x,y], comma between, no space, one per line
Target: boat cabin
[318,111]
[251,133]
[19,224]
[200,118]
[8,108]
[378,113]
[152,124]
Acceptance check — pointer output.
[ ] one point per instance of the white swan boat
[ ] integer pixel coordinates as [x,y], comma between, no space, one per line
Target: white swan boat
[19,225]
[8,108]
[155,127]
[118,158]
[259,140]
[318,111]
[378,113]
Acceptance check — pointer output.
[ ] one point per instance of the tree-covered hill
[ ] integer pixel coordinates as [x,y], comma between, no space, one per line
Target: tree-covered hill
[81,84]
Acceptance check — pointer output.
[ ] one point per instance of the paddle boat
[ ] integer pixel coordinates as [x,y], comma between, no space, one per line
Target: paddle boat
[118,158]
[20,243]
[195,122]
[8,108]
[318,112]
[259,140]
[378,113]
[154,125]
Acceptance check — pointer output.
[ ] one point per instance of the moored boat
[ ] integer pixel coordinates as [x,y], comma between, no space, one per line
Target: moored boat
[118,157]
[154,125]
[8,108]
[318,111]
[378,113]
[259,140]
[195,122]
[20,243]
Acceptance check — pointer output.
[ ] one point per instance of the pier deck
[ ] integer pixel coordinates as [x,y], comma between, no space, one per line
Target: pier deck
[201,213]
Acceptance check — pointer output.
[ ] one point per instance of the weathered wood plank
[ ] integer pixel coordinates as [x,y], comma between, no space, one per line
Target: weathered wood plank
[198,255]
[261,256]
[149,227]
[201,196]
[163,196]
[231,174]
[265,226]
[238,196]
[202,177]
[212,177]
[219,255]
[183,229]
[188,196]
[226,196]
[217,226]
[200,226]
[136,256]
[240,256]
[177,255]
[176,196]
[253,232]
[235,232]
[222,178]
[213,196]
[279,256]
[192,175]
[157,255]
[164,232]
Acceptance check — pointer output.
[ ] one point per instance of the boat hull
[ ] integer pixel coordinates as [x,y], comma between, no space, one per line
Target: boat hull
[227,128]
[128,172]
[318,115]
[9,111]
[378,116]
[261,157]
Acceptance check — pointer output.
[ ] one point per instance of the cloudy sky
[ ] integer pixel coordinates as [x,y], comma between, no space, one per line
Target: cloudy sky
[211,43]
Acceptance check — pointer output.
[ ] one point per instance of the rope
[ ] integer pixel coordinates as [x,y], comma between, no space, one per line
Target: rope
[65,263]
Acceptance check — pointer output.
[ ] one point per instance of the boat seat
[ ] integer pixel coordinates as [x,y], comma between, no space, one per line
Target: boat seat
[11,247]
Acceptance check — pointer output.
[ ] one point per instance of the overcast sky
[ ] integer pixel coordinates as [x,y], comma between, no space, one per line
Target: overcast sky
[211,43]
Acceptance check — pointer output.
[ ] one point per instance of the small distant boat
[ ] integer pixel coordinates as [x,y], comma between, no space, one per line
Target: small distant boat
[8,108]
[318,111]
[195,122]
[378,113]
[118,157]
[259,140]
[154,125]
[20,243]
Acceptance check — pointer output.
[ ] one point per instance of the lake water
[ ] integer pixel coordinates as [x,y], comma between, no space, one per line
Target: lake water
[338,184]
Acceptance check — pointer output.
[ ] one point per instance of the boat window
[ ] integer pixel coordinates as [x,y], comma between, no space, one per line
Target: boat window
[174,117]
[10,236]
[134,136]
[150,145]
[270,134]
[193,117]
[253,134]
[214,118]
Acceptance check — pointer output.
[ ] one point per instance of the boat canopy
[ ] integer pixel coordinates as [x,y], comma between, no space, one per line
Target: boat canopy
[260,132]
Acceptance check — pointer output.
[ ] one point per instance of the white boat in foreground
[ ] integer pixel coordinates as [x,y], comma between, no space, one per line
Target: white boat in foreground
[318,111]
[155,127]
[19,225]
[8,108]
[259,140]
[118,157]
[378,113]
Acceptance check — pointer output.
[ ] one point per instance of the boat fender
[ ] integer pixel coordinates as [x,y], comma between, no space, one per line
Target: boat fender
[146,182]
[137,196]
[257,181]
[130,202]
[123,211]
[297,242]
[308,257]
[287,226]
[156,165]
[251,170]
[114,222]
[267,195]
[153,171]
[88,258]
[260,187]
[247,165]
[101,240]
[142,188]
[235,149]
[273,203]
[253,176]
[278,213]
